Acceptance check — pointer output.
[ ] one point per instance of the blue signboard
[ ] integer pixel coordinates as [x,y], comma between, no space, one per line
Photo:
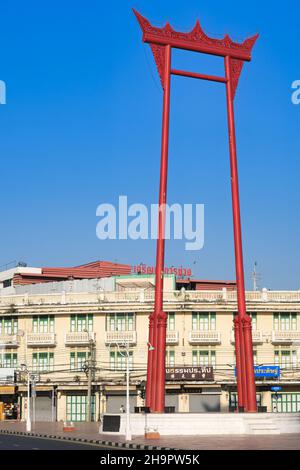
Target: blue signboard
[276,389]
[266,372]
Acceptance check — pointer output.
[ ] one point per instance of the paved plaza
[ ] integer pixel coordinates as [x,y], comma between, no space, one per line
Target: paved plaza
[90,431]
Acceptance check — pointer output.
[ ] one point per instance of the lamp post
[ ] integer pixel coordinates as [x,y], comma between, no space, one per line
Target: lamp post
[28,415]
[125,352]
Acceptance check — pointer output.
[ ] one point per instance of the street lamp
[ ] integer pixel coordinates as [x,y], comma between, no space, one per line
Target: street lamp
[124,353]
[28,416]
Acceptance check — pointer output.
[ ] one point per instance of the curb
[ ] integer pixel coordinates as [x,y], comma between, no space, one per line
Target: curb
[122,445]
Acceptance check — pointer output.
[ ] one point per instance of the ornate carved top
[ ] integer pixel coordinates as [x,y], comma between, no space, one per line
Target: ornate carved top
[196,36]
[196,40]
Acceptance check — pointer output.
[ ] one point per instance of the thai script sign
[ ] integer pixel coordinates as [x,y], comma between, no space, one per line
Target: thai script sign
[201,373]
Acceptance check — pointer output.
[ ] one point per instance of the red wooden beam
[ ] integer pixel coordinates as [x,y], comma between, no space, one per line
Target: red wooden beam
[201,76]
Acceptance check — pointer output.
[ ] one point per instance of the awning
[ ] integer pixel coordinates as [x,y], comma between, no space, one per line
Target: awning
[7,390]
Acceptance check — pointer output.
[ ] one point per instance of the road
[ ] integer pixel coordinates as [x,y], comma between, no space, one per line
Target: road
[12,442]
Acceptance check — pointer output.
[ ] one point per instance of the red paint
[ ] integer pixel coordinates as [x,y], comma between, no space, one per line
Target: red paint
[201,76]
[157,402]
[161,41]
[245,378]
[144,269]
[97,269]
[195,40]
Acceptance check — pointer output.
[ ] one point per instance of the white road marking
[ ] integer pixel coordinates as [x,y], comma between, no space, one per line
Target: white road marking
[35,448]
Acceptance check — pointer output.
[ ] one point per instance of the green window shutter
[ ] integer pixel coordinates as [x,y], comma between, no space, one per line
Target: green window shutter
[195,358]
[294,322]
[254,321]
[194,321]
[73,323]
[90,322]
[72,361]
[51,324]
[112,360]
[171,321]
[213,321]
[130,322]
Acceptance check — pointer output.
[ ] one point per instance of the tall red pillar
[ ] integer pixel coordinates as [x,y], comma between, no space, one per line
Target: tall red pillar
[157,400]
[151,359]
[244,346]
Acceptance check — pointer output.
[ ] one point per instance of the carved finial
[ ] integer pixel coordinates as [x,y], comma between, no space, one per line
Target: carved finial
[249,43]
[168,28]
[141,19]
[197,28]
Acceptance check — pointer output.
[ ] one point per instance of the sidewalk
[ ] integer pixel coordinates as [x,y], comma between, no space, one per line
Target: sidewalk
[89,432]
[85,431]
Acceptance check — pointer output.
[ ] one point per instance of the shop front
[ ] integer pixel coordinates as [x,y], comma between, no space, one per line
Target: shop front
[9,408]
[192,389]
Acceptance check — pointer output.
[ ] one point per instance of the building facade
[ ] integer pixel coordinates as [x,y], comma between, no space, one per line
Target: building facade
[58,336]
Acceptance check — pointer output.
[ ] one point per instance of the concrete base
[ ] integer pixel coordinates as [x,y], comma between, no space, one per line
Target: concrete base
[188,424]
[152,435]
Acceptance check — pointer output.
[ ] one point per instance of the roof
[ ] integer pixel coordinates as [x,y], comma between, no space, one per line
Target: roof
[96,269]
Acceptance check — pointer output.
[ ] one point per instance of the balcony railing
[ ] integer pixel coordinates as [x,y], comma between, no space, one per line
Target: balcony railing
[172,337]
[41,339]
[81,338]
[118,337]
[9,340]
[204,337]
[257,337]
[146,296]
[285,337]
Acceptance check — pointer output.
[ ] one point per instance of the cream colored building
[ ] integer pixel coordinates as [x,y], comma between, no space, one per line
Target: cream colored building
[55,335]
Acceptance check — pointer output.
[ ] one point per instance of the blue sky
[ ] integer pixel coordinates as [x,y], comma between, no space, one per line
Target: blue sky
[82,125]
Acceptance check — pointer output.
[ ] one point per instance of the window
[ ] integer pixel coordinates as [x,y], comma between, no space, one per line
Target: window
[77,407]
[285,321]
[118,360]
[9,360]
[170,358]
[7,283]
[81,322]
[285,358]
[8,326]
[171,321]
[203,357]
[120,322]
[203,321]
[286,402]
[43,324]
[255,357]
[78,360]
[255,360]
[233,400]
[42,361]
[254,321]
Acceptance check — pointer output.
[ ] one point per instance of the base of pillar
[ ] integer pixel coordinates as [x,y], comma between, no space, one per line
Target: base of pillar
[153,426]
[152,435]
